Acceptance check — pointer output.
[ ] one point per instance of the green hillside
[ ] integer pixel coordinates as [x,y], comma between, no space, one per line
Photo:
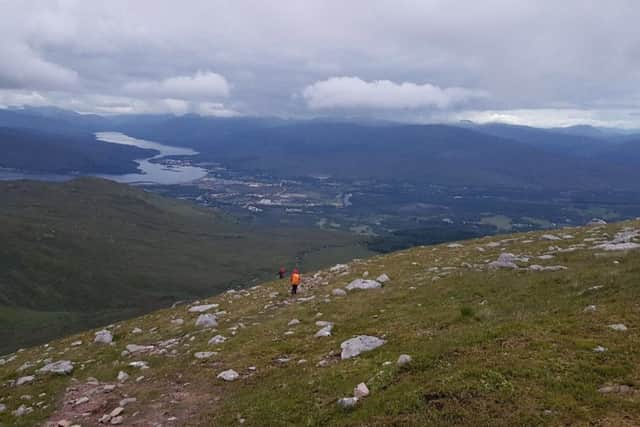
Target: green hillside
[91,251]
[547,336]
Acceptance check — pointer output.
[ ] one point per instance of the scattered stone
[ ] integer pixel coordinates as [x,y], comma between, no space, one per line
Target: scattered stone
[139,364]
[207,321]
[362,343]
[61,367]
[104,419]
[25,380]
[218,339]
[117,420]
[117,411]
[589,309]
[549,237]
[293,322]
[302,361]
[22,410]
[599,349]
[122,376]
[536,267]
[63,423]
[103,337]
[506,260]
[383,278]
[325,331]
[3,407]
[348,402]
[616,388]
[177,322]
[618,327]
[362,284]
[124,402]
[135,348]
[229,375]
[338,292]
[76,343]
[455,245]
[360,391]
[136,331]
[204,354]
[597,221]
[338,268]
[403,360]
[202,308]
[627,246]
[80,401]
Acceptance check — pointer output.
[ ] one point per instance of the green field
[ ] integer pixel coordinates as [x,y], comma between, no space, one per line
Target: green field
[90,251]
[490,347]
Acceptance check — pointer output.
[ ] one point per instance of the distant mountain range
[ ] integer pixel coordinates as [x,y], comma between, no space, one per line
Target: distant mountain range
[482,155]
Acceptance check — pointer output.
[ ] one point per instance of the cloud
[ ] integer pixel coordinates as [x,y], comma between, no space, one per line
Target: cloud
[354,93]
[22,68]
[201,85]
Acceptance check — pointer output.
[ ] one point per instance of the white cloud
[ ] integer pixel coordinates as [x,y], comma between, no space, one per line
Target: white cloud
[353,92]
[202,85]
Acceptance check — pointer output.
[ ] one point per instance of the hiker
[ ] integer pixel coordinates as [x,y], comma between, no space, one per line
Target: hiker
[295,281]
[282,272]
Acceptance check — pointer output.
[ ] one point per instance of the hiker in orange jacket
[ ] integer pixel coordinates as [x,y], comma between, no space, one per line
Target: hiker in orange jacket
[295,281]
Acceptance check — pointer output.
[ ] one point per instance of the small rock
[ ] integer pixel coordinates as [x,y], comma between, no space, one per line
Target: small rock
[63,423]
[403,360]
[117,411]
[76,343]
[599,349]
[202,308]
[347,402]
[139,364]
[354,346]
[324,332]
[218,339]
[128,400]
[103,337]
[177,322]
[122,376]
[362,284]
[338,292]
[204,354]
[3,407]
[589,309]
[361,391]
[135,348]
[80,401]
[61,367]
[293,322]
[22,410]
[104,419]
[229,375]
[383,278]
[136,331]
[618,327]
[25,380]
[117,420]
[206,321]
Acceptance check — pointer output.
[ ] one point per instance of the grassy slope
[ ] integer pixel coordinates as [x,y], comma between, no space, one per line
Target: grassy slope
[91,251]
[496,348]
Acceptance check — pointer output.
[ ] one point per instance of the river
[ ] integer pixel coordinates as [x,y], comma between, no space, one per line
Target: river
[151,172]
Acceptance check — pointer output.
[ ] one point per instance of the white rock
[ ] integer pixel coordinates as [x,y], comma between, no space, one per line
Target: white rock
[204,354]
[549,237]
[618,327]
[25,380]
[293,322]
[324,332]
[124,402]
[347,402]
[383,278]
[103,337]
[22,410]
[135,348]
[76,343]
[354,346]
[207,321]
[218,339]
[505,260]
[229,375]
[140,364]
[454,245]
[322,323]
[117,420]
[117,411]
[3,407]
[536,267]
[360,391]
[61,367]
[338,292]
[136,331]
[122,376]
[80,401]
[590,309]
[403,360]
[363,284]
[546,256]
[202,308]
[339,268]
[599,349]
[618,246]
[177,322]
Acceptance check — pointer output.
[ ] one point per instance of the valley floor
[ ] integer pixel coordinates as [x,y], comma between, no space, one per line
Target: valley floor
[526,329]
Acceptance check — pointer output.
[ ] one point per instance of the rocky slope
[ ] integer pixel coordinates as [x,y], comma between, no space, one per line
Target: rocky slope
[527,329]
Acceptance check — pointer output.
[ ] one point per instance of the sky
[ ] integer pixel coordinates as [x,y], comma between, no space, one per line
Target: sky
[538,62]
